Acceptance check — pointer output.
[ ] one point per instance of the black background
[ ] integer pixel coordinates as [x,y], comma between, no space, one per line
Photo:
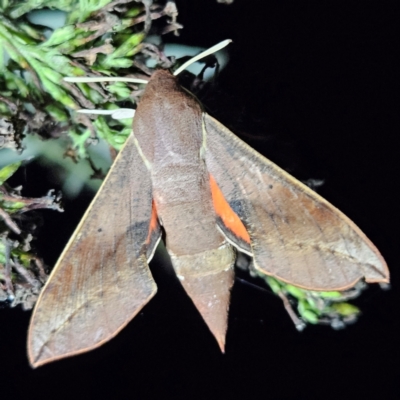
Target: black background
[311,86]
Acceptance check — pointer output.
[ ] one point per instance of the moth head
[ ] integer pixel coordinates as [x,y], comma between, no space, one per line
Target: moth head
[161,79]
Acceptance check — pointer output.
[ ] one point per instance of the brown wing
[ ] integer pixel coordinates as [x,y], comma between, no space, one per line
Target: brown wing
[295,234]
[102,279]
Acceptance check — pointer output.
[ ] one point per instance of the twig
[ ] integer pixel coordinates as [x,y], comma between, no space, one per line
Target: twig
[10,223]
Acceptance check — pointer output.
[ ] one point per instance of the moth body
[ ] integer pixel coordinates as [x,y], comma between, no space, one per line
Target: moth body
[182,196]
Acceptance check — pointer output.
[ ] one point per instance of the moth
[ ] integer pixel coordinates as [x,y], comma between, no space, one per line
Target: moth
[184,173]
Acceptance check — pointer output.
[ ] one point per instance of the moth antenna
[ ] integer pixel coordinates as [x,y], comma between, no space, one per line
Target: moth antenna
[203,54]
[89,79]
[100,112]
[119,113]
[124,113]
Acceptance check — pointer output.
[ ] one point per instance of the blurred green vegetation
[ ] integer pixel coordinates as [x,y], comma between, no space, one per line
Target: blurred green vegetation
[98,38]
[21,272]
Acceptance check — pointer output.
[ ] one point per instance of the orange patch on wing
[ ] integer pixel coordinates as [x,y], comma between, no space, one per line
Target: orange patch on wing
[225,212]
[153,221]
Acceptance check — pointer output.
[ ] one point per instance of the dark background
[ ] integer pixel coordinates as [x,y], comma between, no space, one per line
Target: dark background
[311,86]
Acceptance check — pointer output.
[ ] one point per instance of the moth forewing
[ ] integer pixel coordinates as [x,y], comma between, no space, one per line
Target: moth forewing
[102,279]
[295,234]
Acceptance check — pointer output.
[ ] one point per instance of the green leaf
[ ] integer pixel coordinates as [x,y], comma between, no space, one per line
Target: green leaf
[273,284]
[12,206]
[60,35]
[115,138]
[308,314]
[8,171]
[57,113]
[128,47]
[330,295]
[295,291]
[117,63]
[79,141]
[345,309]
[14,82]
[120,89]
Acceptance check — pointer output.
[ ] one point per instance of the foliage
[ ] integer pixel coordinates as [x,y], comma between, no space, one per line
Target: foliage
[21,272]
[99,38]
